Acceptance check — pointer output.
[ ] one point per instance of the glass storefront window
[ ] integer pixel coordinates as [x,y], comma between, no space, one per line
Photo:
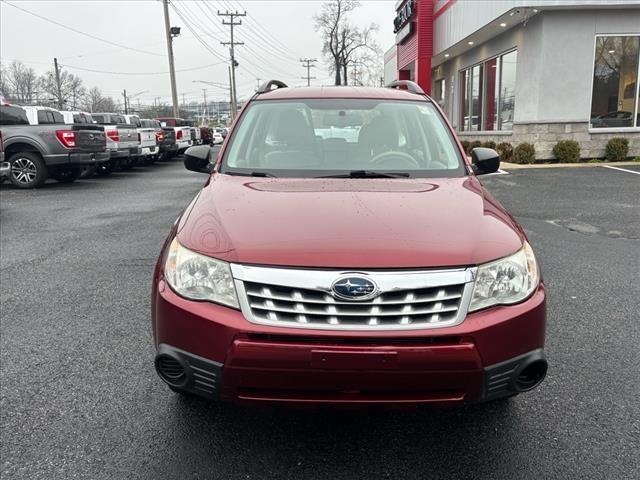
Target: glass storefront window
[614,102]
[488,94]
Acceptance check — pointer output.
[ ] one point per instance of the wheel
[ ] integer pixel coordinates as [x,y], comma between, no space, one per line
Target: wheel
[28,170]
[67,175]
[104,169]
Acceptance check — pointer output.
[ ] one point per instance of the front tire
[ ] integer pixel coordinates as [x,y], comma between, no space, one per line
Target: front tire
[28,170]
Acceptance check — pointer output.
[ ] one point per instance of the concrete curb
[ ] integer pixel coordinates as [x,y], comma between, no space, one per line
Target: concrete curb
[516,166]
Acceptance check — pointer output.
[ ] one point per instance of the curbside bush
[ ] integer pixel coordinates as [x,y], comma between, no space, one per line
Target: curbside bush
[465,144]
[617,149]
[474,144]
[567,151]
[524,153]
[505,150]
[489,144]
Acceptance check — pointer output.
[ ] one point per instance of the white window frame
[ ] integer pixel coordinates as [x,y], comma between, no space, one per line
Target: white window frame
[637,100]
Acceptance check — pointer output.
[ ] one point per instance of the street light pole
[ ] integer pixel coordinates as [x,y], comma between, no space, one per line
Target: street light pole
[172,72]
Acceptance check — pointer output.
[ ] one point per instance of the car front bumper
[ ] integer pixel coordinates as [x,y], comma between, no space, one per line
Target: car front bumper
[223,356]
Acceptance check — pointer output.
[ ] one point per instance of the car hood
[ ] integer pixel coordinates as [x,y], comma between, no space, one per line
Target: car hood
[349,223]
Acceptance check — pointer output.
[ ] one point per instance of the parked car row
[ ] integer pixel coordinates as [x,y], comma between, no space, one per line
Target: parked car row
[38,143]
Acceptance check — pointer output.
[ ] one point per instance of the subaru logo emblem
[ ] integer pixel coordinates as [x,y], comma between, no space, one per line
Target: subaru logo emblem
[354,287]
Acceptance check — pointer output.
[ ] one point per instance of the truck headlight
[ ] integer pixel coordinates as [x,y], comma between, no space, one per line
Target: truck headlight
[506,281]
[198,277]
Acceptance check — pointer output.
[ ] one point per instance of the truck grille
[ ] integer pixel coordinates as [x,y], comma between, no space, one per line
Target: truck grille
[421,306]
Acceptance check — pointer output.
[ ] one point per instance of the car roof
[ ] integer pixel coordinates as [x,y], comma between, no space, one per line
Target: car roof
[340,92]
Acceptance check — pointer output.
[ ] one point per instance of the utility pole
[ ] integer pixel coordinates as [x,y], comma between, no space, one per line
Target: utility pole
[382,81]
[258,80]
[355,72]
[232,23]
[124,94]
[171,32]
[58,87]
[308,63]
[204,106]
[231,94]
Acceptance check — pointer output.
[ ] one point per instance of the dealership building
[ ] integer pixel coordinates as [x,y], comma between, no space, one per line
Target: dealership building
[526,71]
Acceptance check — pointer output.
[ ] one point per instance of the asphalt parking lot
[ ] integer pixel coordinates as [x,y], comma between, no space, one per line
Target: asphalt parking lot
[80,399]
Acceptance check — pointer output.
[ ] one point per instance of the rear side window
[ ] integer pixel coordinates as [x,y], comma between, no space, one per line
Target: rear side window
[82,118]
[12,116]
[49,117]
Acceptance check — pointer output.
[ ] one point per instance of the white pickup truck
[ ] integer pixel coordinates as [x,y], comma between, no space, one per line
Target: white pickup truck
[182,129]
[148,148]
[122,141]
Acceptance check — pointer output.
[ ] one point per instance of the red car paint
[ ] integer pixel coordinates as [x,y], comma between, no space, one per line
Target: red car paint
[315,223]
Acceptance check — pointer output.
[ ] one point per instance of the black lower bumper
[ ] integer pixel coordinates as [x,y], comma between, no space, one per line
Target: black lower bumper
[188,372]
[516,375]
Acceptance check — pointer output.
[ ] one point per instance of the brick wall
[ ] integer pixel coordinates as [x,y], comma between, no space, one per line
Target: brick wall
[545,135]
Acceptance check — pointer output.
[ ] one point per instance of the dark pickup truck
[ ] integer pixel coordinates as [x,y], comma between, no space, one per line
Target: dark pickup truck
[56,150]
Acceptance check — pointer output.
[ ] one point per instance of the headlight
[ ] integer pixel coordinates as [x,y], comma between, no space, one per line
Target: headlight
[506,281]
[199,277]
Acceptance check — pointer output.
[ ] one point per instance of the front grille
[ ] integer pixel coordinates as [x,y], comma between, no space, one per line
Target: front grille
[406,307]
[304,298]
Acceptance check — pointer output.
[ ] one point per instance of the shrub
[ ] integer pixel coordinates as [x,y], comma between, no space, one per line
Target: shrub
[595,160]
[475,144]
[617,149]
[567,151]
[505,150]
[465,144]
[489,144]
[524,153]
[637,159]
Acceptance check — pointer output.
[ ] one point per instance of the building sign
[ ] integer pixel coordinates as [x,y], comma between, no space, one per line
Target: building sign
[404,15]
[404,32]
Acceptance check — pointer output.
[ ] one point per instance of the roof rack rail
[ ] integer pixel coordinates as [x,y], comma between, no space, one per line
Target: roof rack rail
[266,86]
[412,87]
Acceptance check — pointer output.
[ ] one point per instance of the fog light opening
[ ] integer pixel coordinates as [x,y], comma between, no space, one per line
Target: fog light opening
[531,375]
[170,370]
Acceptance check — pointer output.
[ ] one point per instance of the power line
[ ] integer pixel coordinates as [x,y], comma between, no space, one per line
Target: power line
[81,32]
[195,34]
[142,73]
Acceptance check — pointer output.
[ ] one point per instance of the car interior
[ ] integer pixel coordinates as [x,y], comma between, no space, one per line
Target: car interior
[293,136]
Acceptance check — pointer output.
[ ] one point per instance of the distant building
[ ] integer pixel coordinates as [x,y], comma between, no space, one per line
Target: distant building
[522,70]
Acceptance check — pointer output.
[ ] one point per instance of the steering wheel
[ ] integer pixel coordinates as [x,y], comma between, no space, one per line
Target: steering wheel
[383,157]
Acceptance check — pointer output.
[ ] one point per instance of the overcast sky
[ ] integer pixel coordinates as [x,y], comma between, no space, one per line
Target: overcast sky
[276,33]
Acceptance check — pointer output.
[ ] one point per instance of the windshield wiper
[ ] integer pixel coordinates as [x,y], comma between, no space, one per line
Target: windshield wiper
[251,174]
[368,174]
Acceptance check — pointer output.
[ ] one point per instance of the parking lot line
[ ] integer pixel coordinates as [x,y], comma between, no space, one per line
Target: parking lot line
[621,169]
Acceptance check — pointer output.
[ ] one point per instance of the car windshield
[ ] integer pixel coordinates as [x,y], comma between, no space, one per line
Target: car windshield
[325,137]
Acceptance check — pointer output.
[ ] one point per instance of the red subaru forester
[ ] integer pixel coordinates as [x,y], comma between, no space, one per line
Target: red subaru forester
[343,251]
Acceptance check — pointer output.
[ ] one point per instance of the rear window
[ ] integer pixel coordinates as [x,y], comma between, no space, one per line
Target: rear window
[118,119]
[49,117]
[12,116]
[99,119]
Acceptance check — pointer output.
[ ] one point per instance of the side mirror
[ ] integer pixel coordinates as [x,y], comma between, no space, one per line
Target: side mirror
[485,160]
[198,159]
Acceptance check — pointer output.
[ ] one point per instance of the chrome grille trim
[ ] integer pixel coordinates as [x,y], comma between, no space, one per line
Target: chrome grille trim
[301,298]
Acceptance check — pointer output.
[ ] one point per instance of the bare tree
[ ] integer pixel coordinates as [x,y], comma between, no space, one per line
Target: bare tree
[20,83]
[94,101]
[71,89]
[343,42]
